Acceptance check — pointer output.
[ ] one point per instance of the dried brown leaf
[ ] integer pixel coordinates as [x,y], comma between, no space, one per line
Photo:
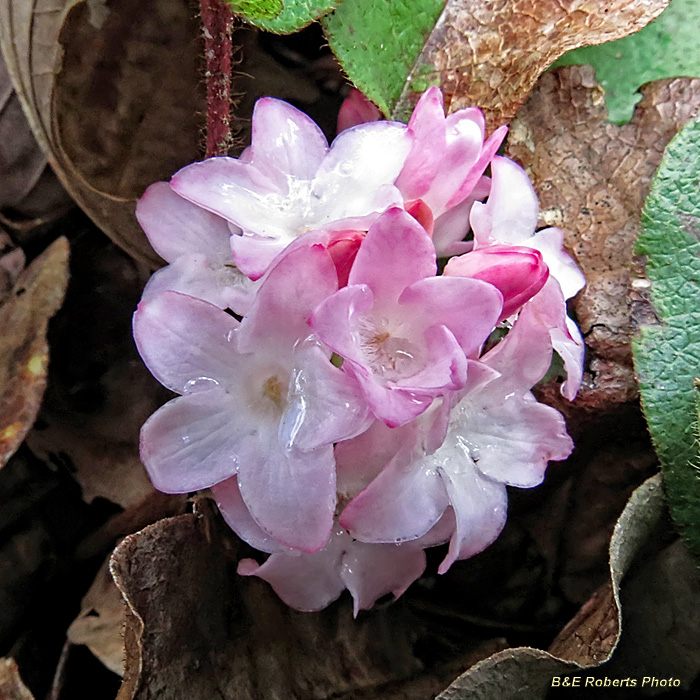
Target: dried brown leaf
[28,187]
[11,686]
[490,54]
[101,620]
[592,636]
[113,95]
[592,178]
[24,318]
[196,629]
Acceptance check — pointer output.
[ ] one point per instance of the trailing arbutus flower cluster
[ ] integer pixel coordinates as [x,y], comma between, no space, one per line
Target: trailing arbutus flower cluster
[347,405]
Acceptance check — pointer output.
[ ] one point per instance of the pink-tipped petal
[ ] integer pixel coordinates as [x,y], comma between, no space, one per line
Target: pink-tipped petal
[176,227]
[190,443]
[238,518]
[286,141]
[186,342]
[510,213]
[371,571]
[464,143]
[291,494]
[488,151]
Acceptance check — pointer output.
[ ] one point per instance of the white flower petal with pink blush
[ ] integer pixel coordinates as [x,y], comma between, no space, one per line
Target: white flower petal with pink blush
[197,244]
[236,381]
[291,182]
[402,332]
[510,216]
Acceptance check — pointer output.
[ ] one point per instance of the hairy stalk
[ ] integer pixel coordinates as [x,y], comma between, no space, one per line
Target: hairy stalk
[217,25]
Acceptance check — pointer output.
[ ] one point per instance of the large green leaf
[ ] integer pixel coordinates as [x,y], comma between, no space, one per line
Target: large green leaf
[667,353]
[378,42]
[283,17]
[666,48]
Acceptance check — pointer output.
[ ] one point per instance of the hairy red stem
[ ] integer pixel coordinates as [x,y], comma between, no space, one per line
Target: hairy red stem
[217,23]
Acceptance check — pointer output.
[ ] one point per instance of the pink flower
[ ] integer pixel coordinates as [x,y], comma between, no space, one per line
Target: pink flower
[444,169]
[253,402]
[403,333]
[497,435]
[290,182]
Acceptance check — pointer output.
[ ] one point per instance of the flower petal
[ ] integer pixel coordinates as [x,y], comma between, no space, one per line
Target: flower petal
[237,516]
[286,141]
[550,242]
[510,213]
[291,494]
[325,404]
[176,227]
[396,252]
[512,440]
[294,287]
[225,286]
[470,308]
[190,443]
[306,582]
[356,109]
[356,176]
[401,504]
[370,571]
[480,507]
[186,342]
[427,124]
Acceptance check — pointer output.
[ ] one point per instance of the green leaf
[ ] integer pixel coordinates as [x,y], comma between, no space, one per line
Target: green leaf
[667,353]
[668,47]
[295,15]
[254,10]
[378,42]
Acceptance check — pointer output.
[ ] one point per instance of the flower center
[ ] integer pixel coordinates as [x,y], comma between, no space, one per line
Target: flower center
[272,390]
[390,356]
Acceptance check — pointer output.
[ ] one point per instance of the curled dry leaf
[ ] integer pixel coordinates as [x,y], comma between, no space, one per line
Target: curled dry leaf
[592,178]
[196,629]
[101,620]
[112,94]
[592,636]
[28,187]
[11,685]
[490,54]
[24,352]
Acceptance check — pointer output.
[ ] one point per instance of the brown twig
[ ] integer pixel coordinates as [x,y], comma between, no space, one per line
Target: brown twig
[217,25]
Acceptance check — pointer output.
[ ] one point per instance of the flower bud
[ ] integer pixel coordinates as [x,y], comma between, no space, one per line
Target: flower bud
[516,271]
